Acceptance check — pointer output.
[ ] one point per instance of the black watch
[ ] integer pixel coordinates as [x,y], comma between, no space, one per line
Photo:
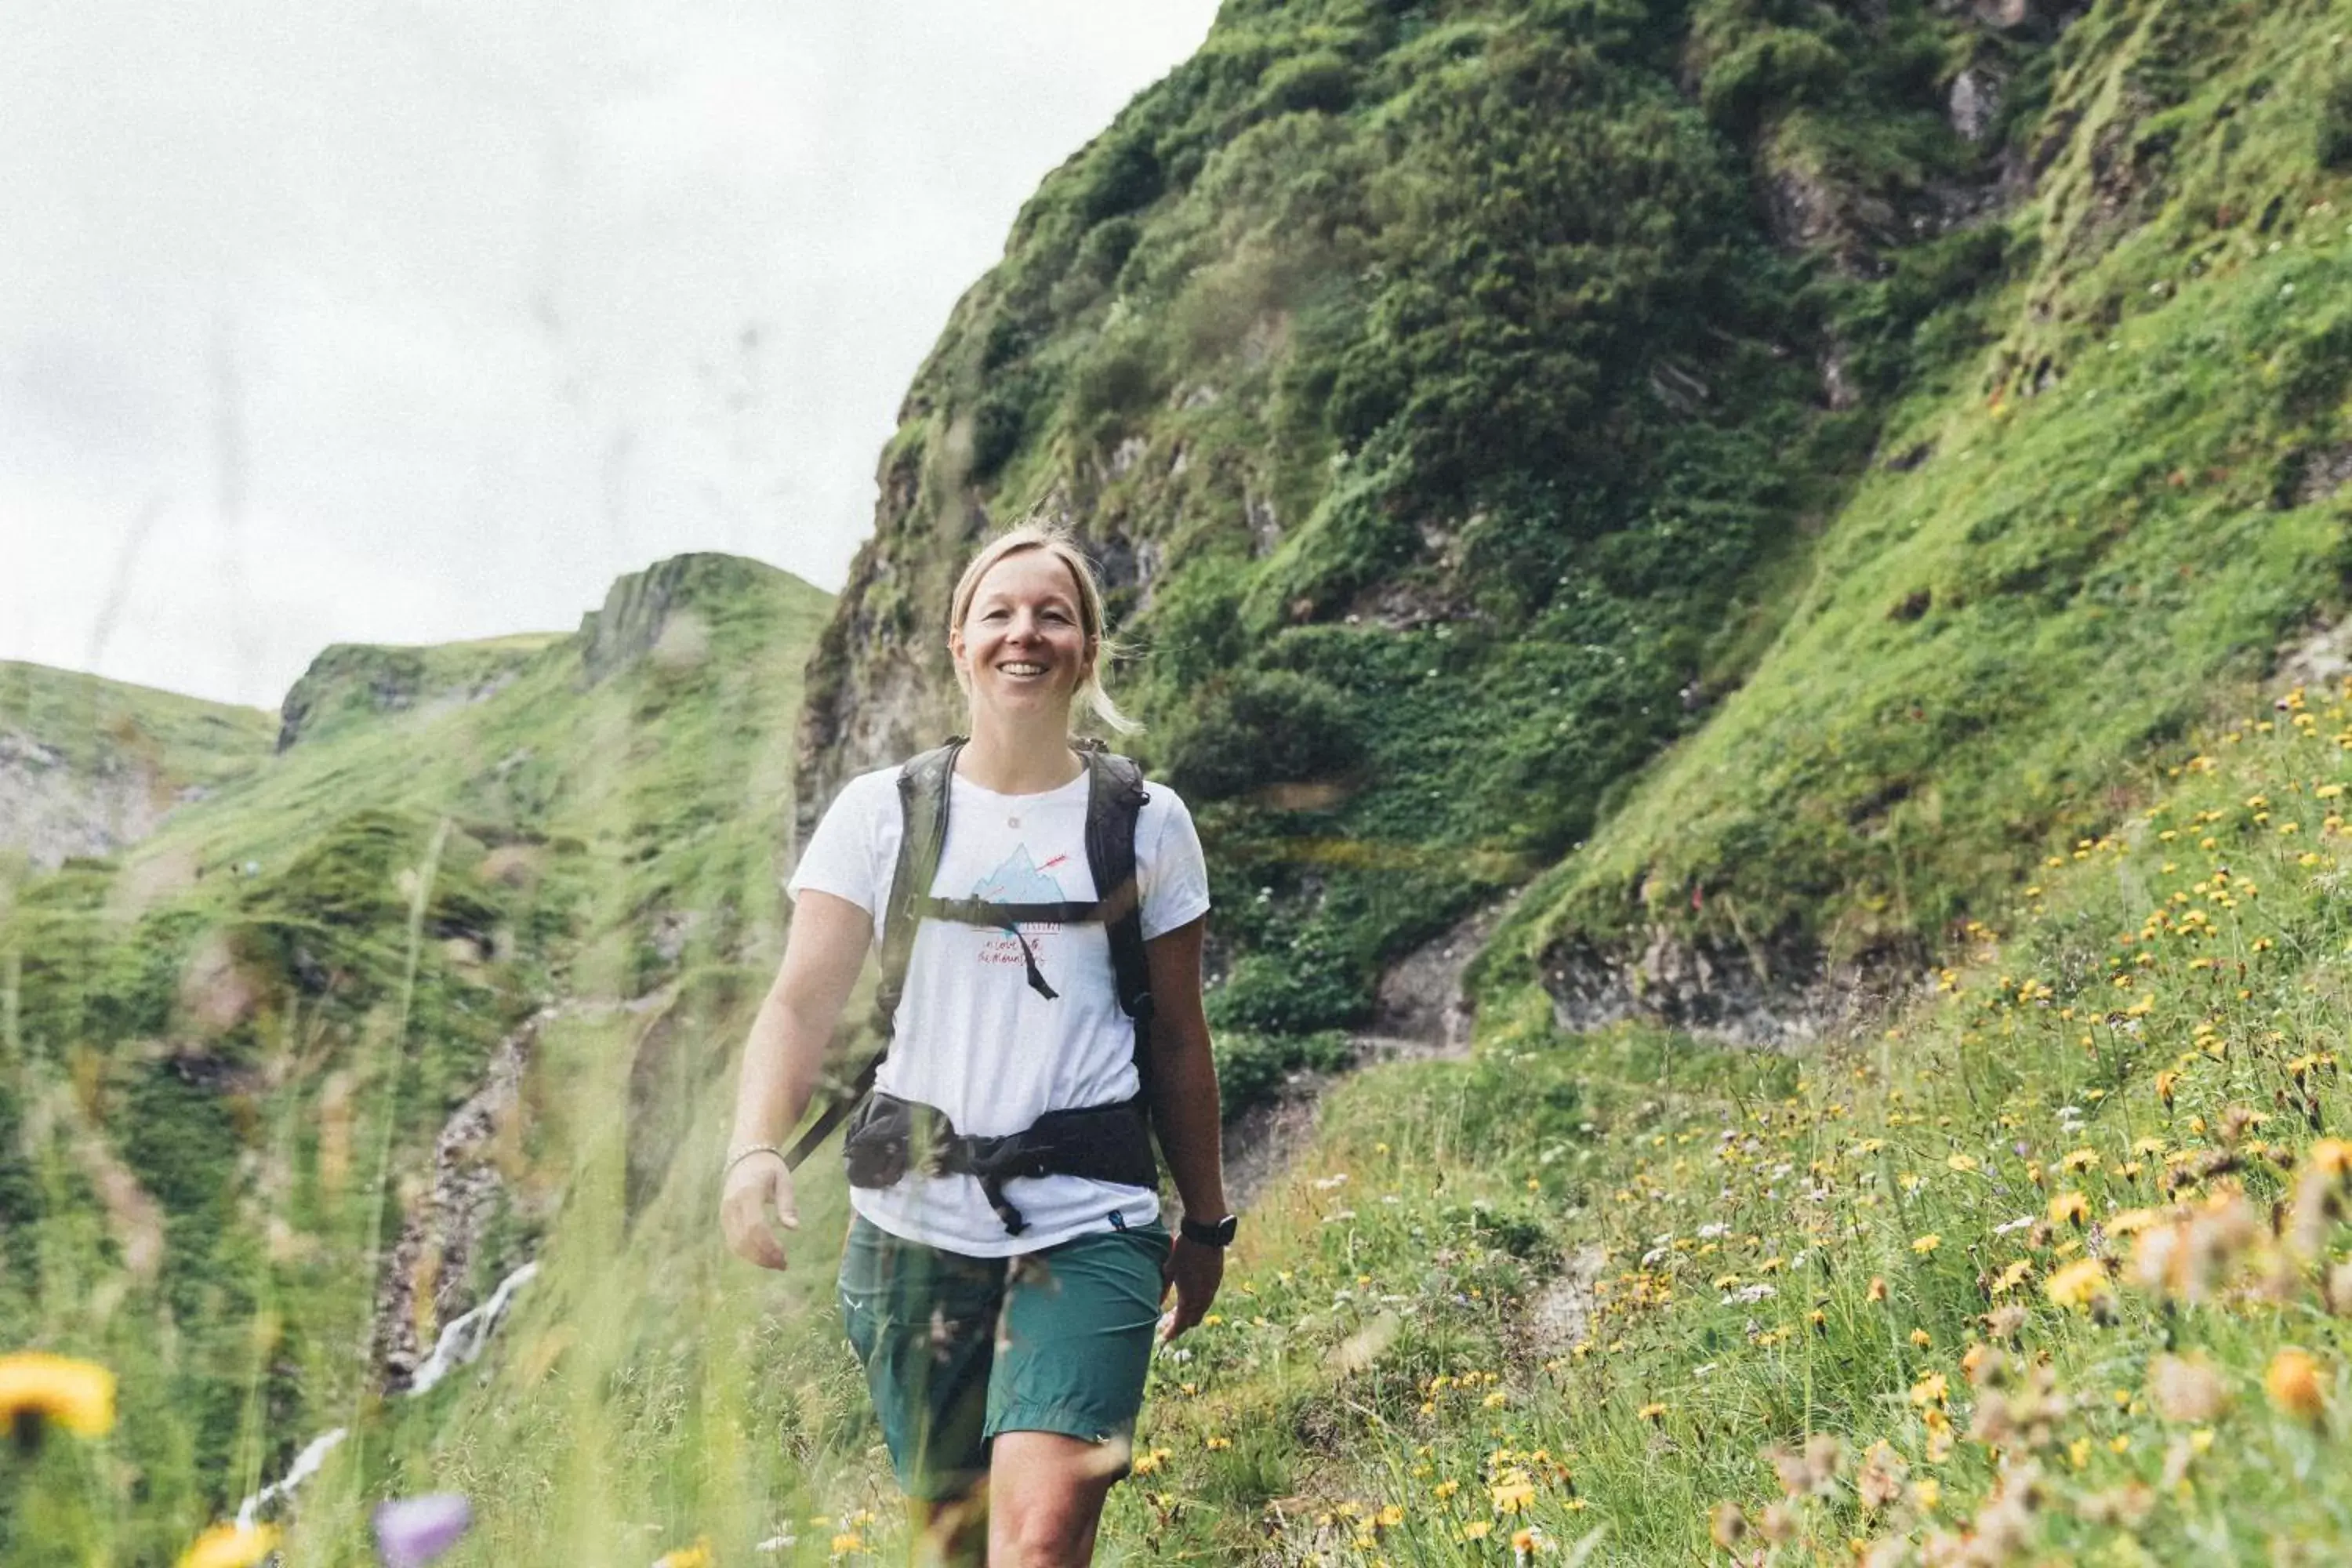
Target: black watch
[1212,1233]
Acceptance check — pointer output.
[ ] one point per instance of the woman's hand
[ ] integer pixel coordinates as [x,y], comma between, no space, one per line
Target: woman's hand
[759,1186]
[822,955]
[1195,1271]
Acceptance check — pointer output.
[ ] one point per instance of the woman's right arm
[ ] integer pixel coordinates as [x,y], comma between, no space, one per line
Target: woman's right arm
[782,1060]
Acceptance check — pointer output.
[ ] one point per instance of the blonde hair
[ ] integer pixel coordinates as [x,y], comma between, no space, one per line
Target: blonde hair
[1090,694]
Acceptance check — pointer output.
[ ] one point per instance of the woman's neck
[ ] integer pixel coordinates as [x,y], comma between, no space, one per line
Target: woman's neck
[1018,761]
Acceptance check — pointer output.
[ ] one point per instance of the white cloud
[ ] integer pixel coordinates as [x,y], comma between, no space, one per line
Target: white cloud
[500,300]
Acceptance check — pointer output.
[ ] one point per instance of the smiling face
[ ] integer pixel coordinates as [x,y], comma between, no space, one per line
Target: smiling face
[1022,647]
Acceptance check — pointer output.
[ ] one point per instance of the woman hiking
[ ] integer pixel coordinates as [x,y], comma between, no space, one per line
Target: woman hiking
[1007,1264]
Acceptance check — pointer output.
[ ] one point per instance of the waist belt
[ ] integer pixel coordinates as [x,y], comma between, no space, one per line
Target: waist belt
[891,1136]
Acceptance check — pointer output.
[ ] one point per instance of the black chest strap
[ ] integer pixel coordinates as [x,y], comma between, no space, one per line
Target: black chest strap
[1115,801]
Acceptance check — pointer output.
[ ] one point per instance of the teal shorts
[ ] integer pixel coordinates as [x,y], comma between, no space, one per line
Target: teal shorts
[957,1349]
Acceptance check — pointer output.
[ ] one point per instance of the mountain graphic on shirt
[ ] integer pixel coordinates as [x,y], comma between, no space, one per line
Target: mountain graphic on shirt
[1019,881]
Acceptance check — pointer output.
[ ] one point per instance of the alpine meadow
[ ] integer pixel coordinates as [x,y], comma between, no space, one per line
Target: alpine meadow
[1750,598]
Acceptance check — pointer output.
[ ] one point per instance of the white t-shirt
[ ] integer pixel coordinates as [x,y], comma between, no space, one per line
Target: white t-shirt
[972,1038]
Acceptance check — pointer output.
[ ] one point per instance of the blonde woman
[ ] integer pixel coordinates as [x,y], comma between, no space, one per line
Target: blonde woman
[1008,1264]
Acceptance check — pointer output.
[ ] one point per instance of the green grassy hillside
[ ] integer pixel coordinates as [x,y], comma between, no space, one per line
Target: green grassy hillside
[2048,1265]
[230,1052]
[1457,395]
[1819,491]
[2120,508]
[87,764]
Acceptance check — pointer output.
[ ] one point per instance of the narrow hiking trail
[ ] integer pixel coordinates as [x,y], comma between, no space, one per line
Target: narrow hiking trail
[1418,1012]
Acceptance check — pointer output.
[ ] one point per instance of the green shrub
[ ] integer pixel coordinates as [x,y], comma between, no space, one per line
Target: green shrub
[1300,988]
[999,421]
[1121,176]
[1259,728]
[1317,82]
[2315,368]
[2333,138]
[1251,1067]
[1779,67]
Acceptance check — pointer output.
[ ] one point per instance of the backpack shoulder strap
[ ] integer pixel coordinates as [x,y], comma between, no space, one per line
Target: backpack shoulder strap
[1115,799]
[922,831]
[923,791]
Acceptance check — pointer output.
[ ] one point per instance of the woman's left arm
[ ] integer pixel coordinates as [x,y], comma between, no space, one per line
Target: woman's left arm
[1185,1109]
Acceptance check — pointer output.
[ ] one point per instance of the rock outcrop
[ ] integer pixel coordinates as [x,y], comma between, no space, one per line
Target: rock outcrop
[1773,997]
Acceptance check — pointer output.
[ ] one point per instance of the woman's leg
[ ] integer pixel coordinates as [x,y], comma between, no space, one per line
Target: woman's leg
[952,1534]
[923,1321]
[1071,1357]
[1046,1494]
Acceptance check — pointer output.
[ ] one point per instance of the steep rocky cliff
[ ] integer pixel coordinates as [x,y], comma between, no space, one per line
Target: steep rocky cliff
[1451,393]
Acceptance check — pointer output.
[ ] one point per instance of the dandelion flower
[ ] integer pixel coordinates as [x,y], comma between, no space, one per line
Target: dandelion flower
[2079,1284]
[699,1554]
[2292,1385]
[39,1390]
[1926,1244]
[1513,1493]
[2070,1209]
[231,1546]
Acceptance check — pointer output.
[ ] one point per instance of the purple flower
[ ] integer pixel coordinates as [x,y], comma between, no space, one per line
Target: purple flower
[412,1531]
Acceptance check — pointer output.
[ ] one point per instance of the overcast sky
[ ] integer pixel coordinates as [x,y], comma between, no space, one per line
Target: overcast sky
[408,321]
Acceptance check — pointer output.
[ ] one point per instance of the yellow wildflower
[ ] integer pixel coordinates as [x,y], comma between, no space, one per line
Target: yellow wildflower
[231,1546]
[2292,1384]
[2070,1209]
[2079,1284]
[1513,1493]
[1926,1244]
[37,1389]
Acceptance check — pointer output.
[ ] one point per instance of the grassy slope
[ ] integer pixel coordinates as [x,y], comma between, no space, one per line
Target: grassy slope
[1882,1243]
[352,683]
[103,727]
[2104,525]
[267,1052]
[1447,416]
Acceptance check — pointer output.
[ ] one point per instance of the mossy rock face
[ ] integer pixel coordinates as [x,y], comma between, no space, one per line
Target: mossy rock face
[1437,396]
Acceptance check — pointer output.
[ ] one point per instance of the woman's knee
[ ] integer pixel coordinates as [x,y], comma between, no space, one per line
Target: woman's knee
[1046,1498]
